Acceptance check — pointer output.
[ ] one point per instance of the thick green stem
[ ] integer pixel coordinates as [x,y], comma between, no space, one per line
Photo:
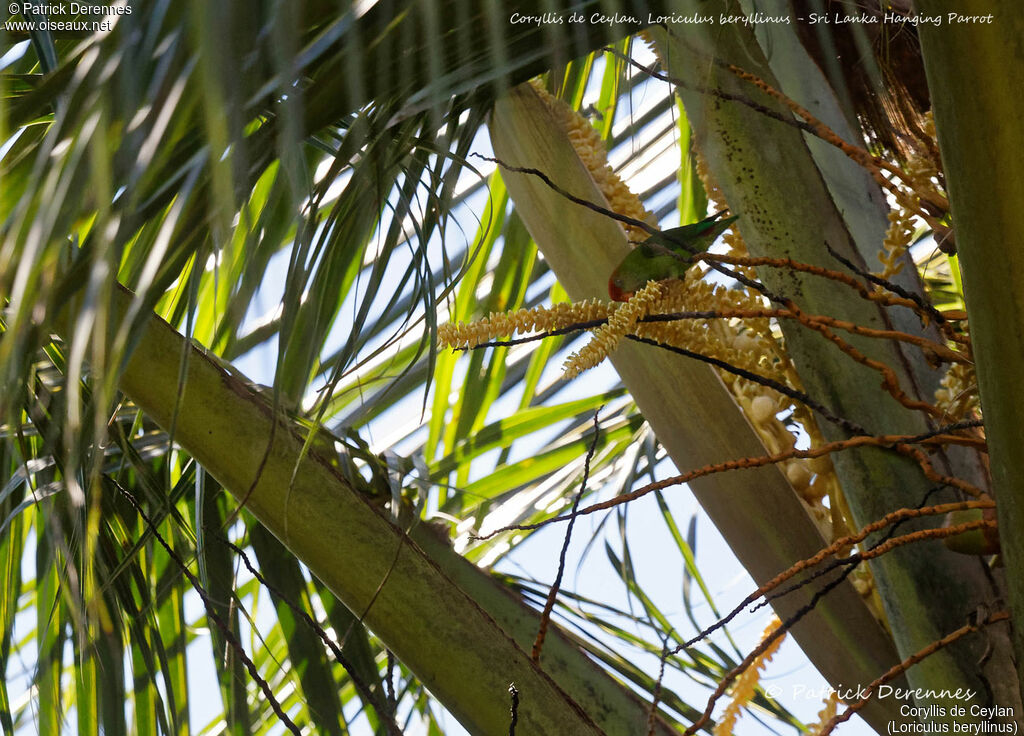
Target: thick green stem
[974,70]
[463,636]
[767,174]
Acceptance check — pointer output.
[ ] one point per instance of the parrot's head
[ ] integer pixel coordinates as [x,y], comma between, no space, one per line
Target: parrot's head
[617,289]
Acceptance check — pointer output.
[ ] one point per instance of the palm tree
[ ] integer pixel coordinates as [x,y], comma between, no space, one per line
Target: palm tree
[165,179]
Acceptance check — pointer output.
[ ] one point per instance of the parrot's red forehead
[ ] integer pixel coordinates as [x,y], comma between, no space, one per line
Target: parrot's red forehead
[616,292]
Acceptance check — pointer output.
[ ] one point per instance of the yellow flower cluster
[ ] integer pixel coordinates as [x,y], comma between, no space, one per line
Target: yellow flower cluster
[864,583]
[591,150]
[922,174]
[928,127]
[897,239]
[748,345]
[607,337]
[746,684]
[522,321]
[825,715]
[958,394]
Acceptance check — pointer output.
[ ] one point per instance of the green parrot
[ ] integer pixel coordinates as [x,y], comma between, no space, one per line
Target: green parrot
[665,255]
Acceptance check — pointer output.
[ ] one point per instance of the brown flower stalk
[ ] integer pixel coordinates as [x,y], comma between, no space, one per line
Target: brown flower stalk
[899,443]
[909,662]
[874,165]
[843,542]
[760,649]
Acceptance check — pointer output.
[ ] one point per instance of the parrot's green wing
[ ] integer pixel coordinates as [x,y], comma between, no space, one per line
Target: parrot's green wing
[664,255]
[646,262]
[695,238]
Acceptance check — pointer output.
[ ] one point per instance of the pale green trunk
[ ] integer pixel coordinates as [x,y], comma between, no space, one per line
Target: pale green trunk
[974,73]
